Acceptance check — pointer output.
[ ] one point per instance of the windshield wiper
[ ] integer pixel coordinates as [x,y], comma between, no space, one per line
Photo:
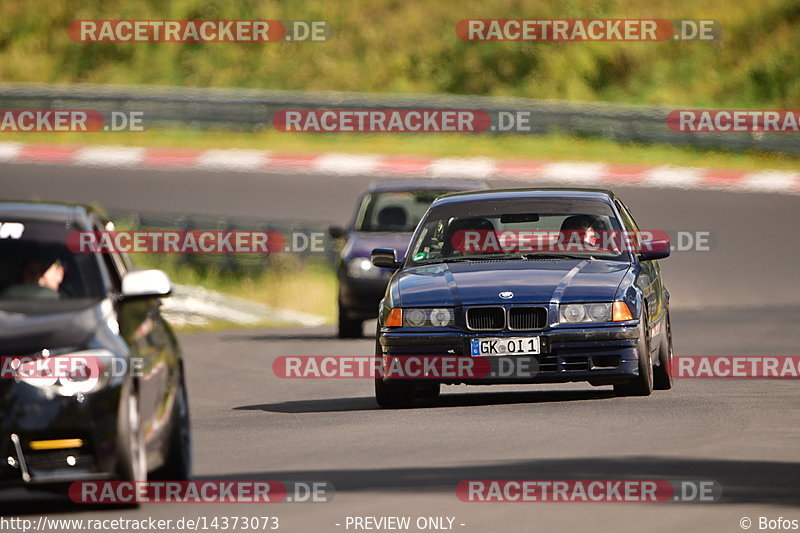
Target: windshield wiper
[461,259]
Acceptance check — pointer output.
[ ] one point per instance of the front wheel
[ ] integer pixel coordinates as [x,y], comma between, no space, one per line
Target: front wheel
[391,395]
[349,328]
[178,460]
[131,452]
[662,378]
[641,385]
[394,395]
[429,391]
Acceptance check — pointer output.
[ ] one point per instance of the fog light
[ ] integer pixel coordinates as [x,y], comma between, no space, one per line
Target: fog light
[57,444]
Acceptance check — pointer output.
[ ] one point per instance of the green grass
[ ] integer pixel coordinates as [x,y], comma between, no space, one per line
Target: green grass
[548,147]
[412,47]
[276,285]
[288,283]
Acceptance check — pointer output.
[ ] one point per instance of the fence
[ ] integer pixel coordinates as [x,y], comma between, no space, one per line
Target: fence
[230,262]
[249,109]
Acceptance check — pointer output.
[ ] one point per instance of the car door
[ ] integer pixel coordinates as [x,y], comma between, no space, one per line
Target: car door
[649,281]
[152,356]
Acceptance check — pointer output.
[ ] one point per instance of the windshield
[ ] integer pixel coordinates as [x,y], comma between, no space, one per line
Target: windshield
[394,211]
[519,229]
[38,271]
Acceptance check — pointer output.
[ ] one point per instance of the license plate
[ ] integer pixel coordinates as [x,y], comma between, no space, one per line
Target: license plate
[497,346]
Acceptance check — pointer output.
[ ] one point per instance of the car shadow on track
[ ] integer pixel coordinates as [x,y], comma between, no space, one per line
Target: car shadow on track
[742,481]
[367,403]
[283,336]
[315,333]
[20,502]
[291,336]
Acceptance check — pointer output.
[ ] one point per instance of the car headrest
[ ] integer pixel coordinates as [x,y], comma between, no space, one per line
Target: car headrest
[579,222]
[392,217]
[464,224]
[473,223]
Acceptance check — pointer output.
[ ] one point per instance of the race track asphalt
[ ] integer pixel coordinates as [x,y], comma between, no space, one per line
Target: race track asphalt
[740,298]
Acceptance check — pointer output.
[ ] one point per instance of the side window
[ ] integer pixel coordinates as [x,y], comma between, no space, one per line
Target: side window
[115,265]
[629,223]
[362,213]
[627,219]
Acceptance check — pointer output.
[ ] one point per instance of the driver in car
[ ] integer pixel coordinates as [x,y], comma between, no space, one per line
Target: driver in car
[41,280]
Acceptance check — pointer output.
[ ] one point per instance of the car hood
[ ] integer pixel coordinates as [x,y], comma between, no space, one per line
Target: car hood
[531,281]
[23,334]
[362,243]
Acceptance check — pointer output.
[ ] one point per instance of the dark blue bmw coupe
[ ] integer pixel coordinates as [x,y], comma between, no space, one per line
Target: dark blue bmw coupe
[524,286]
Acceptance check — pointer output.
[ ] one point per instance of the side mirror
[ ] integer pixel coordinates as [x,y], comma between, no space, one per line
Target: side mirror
[385,258]
[145,283]
[655,249]
[337,232]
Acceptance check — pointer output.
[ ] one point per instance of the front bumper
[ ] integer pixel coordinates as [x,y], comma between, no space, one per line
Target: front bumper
[28,414]
[599,355]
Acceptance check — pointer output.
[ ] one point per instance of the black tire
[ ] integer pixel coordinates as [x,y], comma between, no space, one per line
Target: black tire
[394,395]
[662,374]
[349,328]
[429,391]
[641,385]
[131,450]
[178,458]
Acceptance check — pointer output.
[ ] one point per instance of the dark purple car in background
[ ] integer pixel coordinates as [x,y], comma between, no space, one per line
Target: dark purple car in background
[386,215]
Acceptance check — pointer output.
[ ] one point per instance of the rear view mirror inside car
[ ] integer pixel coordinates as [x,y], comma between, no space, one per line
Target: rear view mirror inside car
[515,218]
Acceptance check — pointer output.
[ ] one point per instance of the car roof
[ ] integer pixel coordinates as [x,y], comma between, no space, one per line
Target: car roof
[431,184]
[603,195]
[50,211]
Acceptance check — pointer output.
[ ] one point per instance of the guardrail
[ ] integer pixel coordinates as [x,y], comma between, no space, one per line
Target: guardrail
[252,109]
[231,262]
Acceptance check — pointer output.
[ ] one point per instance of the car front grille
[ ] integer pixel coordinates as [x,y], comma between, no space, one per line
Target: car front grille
[43,463]
[485,318]
[424,350]
[494,318]
[525,318]
[550,364]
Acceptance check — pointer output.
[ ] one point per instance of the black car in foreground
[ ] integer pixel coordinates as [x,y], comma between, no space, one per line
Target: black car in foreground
[470,304]
[122,418]
[386,214]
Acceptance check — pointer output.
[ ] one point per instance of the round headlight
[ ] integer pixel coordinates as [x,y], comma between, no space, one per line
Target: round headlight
[361,267]
[599,312]
[574,313]
[415,317]
[441,317]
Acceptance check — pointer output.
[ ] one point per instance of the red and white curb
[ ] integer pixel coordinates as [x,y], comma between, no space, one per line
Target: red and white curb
[567,173]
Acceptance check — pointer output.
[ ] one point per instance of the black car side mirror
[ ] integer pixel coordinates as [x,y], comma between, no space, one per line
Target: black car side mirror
[655,249]
[385,258]
[336,232]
